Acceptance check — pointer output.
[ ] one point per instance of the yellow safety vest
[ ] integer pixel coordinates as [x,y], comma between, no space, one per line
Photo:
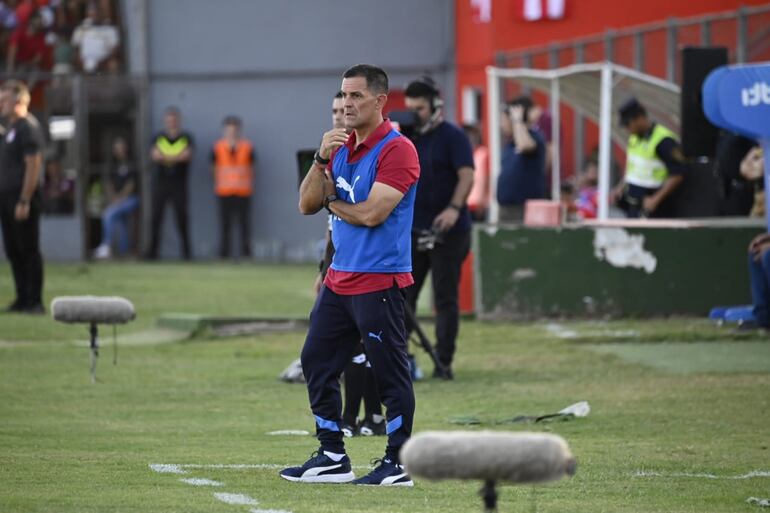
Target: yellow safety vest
[169,149]
[643,167]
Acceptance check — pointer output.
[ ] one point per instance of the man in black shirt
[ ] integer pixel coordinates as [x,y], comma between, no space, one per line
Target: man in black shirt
[440,214]
[171,151]
[20,163]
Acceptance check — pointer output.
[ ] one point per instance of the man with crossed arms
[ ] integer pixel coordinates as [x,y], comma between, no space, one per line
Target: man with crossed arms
[366,180]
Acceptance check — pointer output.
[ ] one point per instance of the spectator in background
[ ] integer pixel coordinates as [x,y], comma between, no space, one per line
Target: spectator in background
[478,199]
[737,191]
[69,14]
[522,174]
[8,20]
[20,164]
[232,165]
[24,11]
[759,274]
[542,121]
[568,203]
[655,164]
[63,54]
[58,189]
[587,202]
[171,152]
[96,39]
[27,48]
[753,170]
[122,194]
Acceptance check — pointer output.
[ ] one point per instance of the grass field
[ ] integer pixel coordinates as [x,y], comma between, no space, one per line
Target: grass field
[680,408]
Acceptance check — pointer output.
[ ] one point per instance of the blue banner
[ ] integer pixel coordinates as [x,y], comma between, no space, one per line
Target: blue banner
[738,98]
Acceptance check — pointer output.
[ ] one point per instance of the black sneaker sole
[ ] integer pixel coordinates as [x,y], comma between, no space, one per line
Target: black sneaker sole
[403,483]
[323,478]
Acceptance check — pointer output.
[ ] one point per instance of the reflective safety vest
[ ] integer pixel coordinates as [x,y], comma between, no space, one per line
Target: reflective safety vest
[643,167]
[233,168]
[171,149]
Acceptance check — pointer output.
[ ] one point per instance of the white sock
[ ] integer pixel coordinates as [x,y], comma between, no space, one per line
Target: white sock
[334,456]
[377,418]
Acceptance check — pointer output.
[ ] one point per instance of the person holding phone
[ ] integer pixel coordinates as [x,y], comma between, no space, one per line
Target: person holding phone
[522,170]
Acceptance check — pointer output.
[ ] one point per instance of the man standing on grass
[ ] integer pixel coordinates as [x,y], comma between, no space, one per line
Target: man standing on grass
[366,180]
[21,158]
[171,152]
[358,375]
[232,167]
[446,178]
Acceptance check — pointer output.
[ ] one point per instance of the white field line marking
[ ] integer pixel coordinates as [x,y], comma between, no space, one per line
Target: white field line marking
[179,468]
[765,503]
[560,331]
[748,475]
[163,468]
[237,499]
[228,498]
[197,481]
[289,432]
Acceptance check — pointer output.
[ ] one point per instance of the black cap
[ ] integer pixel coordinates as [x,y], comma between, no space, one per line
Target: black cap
[630,109]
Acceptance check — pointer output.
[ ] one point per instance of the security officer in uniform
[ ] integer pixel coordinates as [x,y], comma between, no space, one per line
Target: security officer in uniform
[171,151]
[655,165]
[232,160]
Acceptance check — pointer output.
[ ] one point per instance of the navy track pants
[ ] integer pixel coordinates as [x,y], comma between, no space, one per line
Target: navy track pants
[337,324]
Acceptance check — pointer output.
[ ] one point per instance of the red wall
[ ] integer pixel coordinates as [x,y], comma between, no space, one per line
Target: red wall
[477,43]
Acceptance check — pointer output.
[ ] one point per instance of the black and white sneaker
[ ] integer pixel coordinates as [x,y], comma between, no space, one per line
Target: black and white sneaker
[369,427]
[387,473]
[348,431]
[320,468]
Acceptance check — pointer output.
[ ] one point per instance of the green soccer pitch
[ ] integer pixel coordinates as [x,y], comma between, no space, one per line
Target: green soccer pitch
[679,417]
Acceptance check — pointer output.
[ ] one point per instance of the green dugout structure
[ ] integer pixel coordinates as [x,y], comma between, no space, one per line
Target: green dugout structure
[613,268]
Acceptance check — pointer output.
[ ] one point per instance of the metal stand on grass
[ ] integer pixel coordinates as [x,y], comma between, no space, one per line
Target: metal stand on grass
[94,347]
[424,342]
[93,311]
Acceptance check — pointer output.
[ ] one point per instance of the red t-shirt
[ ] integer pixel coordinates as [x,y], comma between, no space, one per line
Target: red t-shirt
[28,46]
[397,166]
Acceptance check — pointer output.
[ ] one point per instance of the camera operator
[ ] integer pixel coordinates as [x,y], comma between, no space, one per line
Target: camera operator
[442,224]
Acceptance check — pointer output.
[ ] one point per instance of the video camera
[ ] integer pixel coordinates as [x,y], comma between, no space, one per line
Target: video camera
[427,239]
[406,121]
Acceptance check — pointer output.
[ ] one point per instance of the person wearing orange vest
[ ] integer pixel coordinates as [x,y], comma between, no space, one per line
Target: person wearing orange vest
[232,164]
